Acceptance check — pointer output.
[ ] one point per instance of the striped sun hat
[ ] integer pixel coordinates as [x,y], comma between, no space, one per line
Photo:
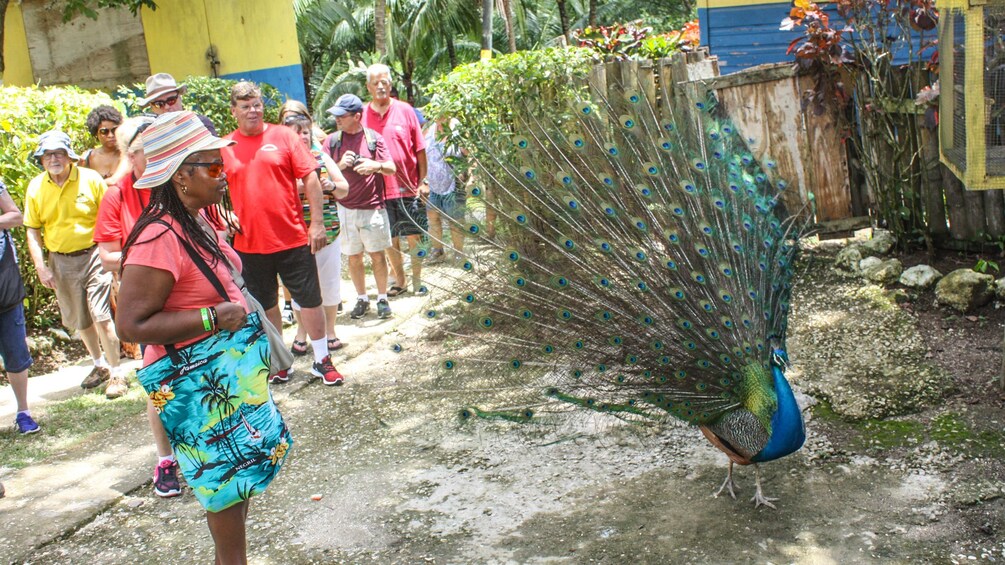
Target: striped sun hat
[169,139]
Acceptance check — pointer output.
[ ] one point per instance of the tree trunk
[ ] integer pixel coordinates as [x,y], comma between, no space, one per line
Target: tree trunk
[593,13]
[563,18]
[3,22]
[506,7]
[379,13]
[451,51]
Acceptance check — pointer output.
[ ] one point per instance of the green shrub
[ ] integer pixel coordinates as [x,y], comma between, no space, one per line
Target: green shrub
[495,94]
[27,112]
[210,97]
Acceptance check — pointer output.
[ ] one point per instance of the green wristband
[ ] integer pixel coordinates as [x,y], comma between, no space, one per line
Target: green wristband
[207,323]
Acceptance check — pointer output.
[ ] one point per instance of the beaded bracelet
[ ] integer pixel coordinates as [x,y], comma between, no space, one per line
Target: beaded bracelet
[206,321]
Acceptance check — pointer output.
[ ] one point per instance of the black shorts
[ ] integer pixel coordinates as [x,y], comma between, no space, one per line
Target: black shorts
[407,216]
[295,266]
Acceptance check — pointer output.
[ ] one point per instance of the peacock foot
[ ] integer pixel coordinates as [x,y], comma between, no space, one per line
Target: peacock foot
[727,484]
[759,497]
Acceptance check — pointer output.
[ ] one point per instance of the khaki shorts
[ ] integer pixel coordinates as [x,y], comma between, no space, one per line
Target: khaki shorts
[364,230]
[83,289]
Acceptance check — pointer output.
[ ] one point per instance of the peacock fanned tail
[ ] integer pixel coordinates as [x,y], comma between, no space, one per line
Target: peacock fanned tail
[641,266]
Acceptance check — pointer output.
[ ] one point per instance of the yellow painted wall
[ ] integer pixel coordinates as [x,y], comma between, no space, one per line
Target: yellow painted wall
[16,59]
[177,38]
[179,32]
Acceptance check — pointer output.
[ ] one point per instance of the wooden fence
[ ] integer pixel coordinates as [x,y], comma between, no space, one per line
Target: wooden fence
[765,103]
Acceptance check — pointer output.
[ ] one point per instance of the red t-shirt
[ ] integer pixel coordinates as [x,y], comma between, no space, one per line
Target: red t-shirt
[403,136]
[262,172]
[364,190]
[159,248]
[119,210]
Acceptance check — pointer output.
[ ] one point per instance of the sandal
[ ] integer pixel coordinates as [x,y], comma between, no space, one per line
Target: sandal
[335,344]
[299,348]
[396,291]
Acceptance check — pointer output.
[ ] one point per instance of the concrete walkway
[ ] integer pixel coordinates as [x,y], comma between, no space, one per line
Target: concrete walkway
[51,500]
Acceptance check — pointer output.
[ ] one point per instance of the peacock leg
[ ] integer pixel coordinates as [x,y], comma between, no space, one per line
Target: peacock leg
[727,484]
[759,497]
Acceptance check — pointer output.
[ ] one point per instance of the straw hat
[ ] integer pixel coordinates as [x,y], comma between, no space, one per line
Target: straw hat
[169,140]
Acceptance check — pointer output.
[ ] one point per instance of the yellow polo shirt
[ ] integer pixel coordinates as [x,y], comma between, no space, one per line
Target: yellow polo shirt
[66,215]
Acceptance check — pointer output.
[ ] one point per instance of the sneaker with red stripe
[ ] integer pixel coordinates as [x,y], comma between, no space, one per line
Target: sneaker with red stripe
[280,377]
[326,370]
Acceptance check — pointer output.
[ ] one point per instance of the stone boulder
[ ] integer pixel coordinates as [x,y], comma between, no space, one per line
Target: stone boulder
[848,259]
[965,289]
[920,276]
[881,243]
[881,272]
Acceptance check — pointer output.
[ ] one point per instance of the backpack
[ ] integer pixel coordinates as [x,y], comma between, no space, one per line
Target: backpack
[336,142]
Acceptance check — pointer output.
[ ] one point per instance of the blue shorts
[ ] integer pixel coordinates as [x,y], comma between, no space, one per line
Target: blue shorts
[450,204]
[13,347]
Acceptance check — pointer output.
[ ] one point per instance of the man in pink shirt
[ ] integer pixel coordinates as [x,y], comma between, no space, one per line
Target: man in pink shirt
[406,191]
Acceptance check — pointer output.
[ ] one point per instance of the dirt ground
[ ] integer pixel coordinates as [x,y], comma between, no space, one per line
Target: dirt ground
[384,471]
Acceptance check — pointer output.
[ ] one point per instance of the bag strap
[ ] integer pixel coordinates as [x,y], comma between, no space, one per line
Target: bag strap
[201,264]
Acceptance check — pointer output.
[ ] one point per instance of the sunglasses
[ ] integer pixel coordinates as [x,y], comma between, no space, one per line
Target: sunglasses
[214,169]
[166,102]
[107,131]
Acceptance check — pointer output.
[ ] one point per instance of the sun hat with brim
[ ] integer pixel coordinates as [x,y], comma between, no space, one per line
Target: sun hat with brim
[169,140]
[159,85]
[54,140]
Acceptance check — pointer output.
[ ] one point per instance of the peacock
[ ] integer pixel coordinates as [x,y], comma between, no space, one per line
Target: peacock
[633,262]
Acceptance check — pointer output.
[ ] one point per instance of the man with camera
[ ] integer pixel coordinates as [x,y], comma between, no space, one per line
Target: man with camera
[363,159]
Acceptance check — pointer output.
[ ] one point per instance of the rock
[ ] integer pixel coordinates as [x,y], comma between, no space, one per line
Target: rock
[59,334]
[920,276]
[848,259]
[881,243]
[868,263]
[899,296]
[1000,288]
[40,345]
[965,289]
[884,272]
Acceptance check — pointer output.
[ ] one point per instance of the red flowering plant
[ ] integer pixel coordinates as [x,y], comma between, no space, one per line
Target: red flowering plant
[633,39]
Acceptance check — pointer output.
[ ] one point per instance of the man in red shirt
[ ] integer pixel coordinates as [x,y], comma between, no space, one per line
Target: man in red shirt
[405,191]
[262,171]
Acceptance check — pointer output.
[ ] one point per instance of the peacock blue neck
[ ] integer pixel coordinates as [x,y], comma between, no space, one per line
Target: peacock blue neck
[787,431]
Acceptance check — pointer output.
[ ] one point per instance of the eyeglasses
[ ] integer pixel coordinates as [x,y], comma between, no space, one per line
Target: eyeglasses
[214,169]
[107,131]
[170,100]
[49,156]
[258,106]
[294,117]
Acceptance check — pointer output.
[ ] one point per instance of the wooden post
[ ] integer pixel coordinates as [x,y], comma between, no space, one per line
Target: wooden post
[953,188]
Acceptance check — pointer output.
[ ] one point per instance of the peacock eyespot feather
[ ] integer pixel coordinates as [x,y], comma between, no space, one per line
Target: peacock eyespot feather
[528,173]
[725,359]
[699,165]
[702,250]
[604,246]
[670,264]
[579,344]
[683,324]
[469,298]
[652,170]
[449,364]
[647,320]
[770,163]
[706,305]
[577,374]
[642,286]
[396,348]
[690,345]
[632,96]
[466,414]
[563,177]
[701,387]
[577,141]
[615,340]
[609,211]
[526,314]
[640,255]
[473,229]
[604,316]
[627,122]
[671,235]
[486,322]
[513,256]
[712,333]
[520,218]
[727,322]
[631,359]
[559,282]
[688,186]
[520,282]
[476,191]
[719,203]
[611,149]
[718,155]
[724,381]
[698,277]
[421,253]
[665,144]
[644,190]
[467,266]
[521,142]
[725,269]
[568,244]
[601,368]
[656,345]
[606,180]
[590,401]
[430,313]
[515,364]
[528,414]
[639,224]
[669,126]
[707,229]
[647,374]
[726,297]
[602,282]
[548,348]
[572,204]
[727,129]
[680,375]
[760,177]
[677,210]
[664,360]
